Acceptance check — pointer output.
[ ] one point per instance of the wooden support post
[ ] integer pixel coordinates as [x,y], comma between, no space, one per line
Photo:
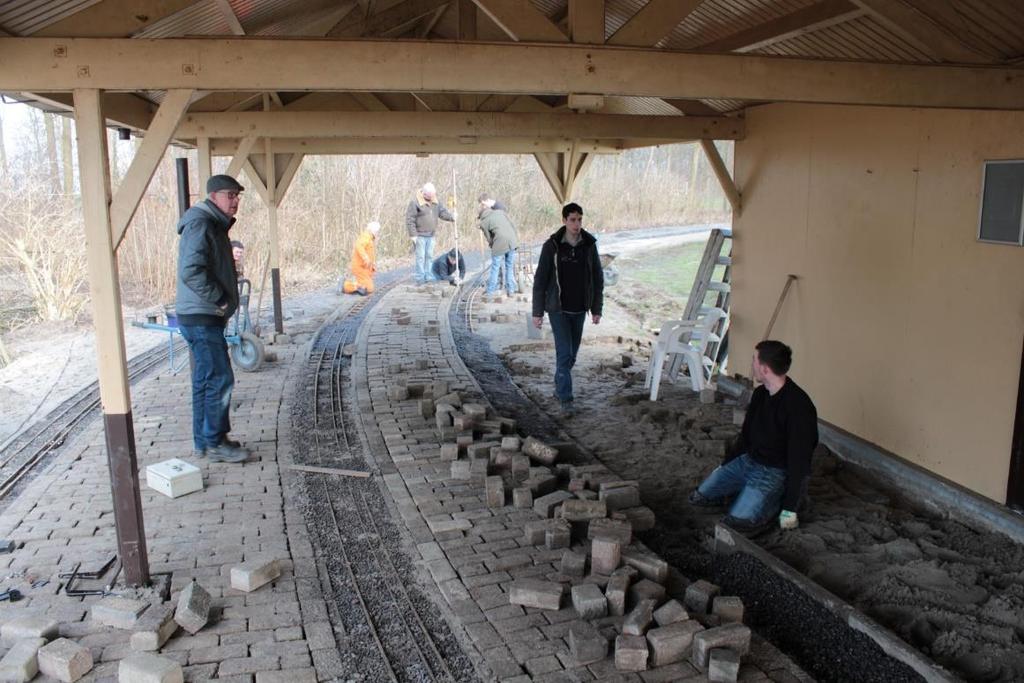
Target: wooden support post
[205,168]
[723,175]
[275,239]
[110,348]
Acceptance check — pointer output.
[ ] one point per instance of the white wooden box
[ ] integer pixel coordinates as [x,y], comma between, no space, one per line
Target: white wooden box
[174,477]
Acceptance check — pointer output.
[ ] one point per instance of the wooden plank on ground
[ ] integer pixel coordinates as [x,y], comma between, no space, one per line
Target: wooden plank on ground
[330,470]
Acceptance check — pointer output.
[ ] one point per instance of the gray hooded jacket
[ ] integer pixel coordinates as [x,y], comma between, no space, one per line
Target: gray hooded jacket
[207,291]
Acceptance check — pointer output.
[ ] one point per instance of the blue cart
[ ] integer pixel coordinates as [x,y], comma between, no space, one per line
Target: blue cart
[245,347]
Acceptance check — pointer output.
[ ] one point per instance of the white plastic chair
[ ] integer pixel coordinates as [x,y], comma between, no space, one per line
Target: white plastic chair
[689,339]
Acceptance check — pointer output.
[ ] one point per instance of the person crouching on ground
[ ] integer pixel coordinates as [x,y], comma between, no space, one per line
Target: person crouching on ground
[364,261]
[207,296]
[766,468]
[568,283]
[443,268]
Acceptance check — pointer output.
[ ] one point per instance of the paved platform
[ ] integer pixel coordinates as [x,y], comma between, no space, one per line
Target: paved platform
[465,554]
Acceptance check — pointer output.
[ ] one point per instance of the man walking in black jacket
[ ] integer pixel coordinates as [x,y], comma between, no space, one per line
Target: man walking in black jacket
[207,296]
[568,284]
[767,467]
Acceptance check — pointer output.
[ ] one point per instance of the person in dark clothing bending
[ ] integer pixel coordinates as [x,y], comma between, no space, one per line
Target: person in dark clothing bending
[443,268]
[767,467]
[568,284]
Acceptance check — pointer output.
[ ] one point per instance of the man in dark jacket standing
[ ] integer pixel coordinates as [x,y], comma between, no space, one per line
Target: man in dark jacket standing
[421,223]
[765,471]
[502,239]
[207,296]
[568,284]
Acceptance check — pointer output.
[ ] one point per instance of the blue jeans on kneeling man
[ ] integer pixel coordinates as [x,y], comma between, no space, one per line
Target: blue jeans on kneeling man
[757,488]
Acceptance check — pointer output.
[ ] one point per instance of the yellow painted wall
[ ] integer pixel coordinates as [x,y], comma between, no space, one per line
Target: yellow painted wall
[906,330]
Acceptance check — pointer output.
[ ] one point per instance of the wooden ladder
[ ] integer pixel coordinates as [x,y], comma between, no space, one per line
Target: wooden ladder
[717,252]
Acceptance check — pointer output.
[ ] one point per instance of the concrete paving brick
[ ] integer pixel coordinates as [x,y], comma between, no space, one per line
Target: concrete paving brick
[586,644]
[645,589]
[699,596]
[650,566]
[64,660]
[605,555]
[588,601]
[146,668]
[558,535]
[669,613]
[728,608]
[732,636]
[611,529]
[573,564]
[723,665]
[672,643]
[539,452]
[631,653]
[495,489]
[303,675]
[620,498]
[193,609]
[536,593]
[545,505]
[153,628]
[639,618]
[247,665]
[20,663]
[615,594]
[118,612]
[522,497]
[28,626]
[583,510]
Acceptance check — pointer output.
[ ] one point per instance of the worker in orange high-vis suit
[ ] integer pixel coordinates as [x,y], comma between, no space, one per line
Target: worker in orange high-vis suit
[364,261]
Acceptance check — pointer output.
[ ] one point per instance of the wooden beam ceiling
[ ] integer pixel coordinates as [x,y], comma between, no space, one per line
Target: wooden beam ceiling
[414,145]
[113,18]
[653,22]
[61,65]
[391,19]
[285,124]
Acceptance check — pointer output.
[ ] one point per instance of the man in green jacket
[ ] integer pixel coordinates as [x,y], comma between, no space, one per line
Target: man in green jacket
[502,239]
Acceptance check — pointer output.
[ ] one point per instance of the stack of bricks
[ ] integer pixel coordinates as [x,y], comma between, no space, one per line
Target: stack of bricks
[591,515]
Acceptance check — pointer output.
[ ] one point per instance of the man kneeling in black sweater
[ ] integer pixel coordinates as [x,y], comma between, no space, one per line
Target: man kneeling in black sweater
[767,466]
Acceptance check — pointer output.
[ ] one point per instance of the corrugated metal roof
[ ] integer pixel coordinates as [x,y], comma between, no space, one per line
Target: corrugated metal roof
[645,106]
[994,27]
[25,17]
[201,19]
[715,19]
[862,38]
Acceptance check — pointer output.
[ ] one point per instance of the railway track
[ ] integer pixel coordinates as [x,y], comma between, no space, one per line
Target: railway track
[40,441]
[392,630]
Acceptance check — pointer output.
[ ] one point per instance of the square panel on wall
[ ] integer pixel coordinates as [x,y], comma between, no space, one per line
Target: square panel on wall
[1001,218]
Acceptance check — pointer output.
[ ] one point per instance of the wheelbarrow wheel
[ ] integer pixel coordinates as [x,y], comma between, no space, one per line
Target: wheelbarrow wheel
[248,354]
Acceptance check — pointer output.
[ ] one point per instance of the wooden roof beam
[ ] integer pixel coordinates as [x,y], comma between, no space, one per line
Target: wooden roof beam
[288,124]
[61,65]
[416,145]
[653,22]
[113,18]
[586,21]
[521,21]
[395,17]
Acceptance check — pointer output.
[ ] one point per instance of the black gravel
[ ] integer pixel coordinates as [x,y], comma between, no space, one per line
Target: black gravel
[820,641]
[392,629]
